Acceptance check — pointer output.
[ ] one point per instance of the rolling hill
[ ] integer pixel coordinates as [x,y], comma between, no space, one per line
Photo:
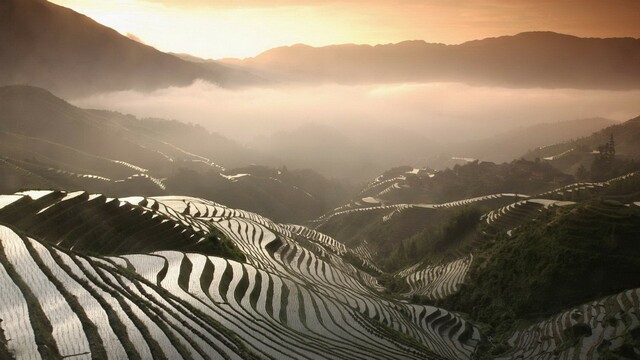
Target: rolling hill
[531,59]
[294,297]
[404,219]
[546,275]
[88,276]
[46,142]
[576,254]
[46,45]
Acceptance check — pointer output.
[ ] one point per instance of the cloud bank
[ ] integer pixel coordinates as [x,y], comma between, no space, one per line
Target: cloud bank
[444,111]
[357,132]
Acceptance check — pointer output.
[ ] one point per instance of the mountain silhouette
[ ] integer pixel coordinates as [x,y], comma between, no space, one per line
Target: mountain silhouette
[46,45]
[530,59]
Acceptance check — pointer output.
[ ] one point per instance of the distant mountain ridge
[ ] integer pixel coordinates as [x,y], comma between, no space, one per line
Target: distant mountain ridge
[47,45]
[530,59]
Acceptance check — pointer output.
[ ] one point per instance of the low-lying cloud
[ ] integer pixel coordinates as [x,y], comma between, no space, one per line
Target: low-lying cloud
[444,111]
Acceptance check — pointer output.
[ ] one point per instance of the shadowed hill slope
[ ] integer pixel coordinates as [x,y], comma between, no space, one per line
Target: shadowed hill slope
[50,46]
[48,143]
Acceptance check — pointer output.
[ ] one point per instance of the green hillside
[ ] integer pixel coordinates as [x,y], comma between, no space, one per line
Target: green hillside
[569,255]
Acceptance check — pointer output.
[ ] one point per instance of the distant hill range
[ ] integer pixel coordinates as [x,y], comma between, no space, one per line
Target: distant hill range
[47,143]
[47,45]
[50,46]
[531,59]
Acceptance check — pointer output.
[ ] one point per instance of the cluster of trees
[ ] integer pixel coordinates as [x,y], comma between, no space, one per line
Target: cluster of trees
[606,164]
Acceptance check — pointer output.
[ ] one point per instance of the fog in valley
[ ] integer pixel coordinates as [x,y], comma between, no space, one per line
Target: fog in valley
[357,131]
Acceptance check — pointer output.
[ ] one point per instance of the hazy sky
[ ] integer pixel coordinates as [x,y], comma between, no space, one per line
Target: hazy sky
[243,28]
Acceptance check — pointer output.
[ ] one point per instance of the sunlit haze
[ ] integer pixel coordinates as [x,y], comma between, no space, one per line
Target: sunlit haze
[218,29]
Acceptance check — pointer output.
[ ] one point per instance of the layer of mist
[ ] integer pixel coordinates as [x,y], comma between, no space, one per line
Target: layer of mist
[357,131]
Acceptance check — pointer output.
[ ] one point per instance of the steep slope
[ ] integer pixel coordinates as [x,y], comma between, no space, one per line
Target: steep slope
[474,181]
[135,276]
[36,113]
[50,46]
[533,59]
[520,268]
[605,228]
[407,215]
[108,226]
[582,253]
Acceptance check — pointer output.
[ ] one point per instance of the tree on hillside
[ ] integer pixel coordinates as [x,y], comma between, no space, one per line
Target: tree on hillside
[603,164]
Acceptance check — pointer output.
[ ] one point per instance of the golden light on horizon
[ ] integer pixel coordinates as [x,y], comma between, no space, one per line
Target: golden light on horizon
[225,28]
[217,33]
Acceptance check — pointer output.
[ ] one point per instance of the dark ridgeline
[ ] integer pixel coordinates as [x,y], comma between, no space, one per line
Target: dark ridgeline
[46,45]
[531,59]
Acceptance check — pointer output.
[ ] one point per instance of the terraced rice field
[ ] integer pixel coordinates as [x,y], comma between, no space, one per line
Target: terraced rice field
[158,182]
[391,210]
[113,177]
[436,281]
[558,156]
[285,301]
[509,217]
[365,254]
[584,186]
[381,183]
[192,157]
[325,240]
[383,188]
[108,225]
[584,332]
[395,209]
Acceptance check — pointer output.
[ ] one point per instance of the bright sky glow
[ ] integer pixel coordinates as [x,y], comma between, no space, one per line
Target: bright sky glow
[227,28]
